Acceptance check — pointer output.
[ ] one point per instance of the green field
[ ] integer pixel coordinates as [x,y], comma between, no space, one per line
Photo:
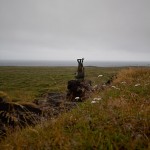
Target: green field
[119,120]
[28,83]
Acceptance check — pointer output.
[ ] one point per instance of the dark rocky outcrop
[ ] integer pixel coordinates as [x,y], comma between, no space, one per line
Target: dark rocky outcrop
[78,90]
[52,104]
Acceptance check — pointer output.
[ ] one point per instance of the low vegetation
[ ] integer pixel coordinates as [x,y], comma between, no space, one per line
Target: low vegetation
[116,117]
[28,83]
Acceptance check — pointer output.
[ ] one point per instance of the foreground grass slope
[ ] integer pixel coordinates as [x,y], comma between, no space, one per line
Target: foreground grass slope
[119,120]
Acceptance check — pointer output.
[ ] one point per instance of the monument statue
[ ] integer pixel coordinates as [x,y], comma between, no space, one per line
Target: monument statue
[80,71]
[80,88]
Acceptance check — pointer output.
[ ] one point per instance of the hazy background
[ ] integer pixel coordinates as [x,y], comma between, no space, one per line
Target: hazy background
[103,30]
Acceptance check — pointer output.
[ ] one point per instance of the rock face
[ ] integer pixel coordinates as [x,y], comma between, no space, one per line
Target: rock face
[78,90]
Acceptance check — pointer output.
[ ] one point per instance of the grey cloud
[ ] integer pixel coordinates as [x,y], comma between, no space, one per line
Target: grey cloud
[100,29]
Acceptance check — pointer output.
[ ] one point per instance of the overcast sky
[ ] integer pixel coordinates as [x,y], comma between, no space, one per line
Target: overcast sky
[69,29]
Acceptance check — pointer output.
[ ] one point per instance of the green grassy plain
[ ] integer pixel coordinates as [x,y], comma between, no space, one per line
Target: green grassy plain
[120,120]
[28,83]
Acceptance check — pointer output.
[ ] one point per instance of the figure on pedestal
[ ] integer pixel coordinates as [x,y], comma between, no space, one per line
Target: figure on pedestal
[80,71]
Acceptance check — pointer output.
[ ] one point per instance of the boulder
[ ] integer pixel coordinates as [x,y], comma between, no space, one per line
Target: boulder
[78,88]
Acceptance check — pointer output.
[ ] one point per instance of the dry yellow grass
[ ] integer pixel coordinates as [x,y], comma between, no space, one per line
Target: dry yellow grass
[4,96]
[133,74]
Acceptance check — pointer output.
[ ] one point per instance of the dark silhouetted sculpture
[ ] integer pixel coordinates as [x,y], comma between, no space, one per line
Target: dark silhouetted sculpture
[80,71]
[79,89]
